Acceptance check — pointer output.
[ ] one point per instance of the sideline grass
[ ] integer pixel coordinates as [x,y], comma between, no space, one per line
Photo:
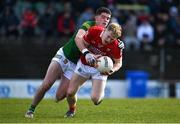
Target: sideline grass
[110,111]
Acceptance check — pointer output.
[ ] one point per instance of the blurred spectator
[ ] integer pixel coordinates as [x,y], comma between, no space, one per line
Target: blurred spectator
[145,33]
[115,18]
[161,30]
[65,24]
[130,38]
[177,33]
[7,3]
[47,22]
[115,12]
[79,6]
[29,22]
[41,7]
[20,7]
[88,14]
[165,22]
[68,7]
[95,4]
[9,23]
[173,25]
[110,4]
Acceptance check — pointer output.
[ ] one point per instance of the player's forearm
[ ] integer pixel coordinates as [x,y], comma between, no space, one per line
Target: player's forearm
[79,39]
[117,65]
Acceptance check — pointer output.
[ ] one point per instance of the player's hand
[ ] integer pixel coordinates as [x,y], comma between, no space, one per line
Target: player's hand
[108,73]
[97,60]
[121,44]
[91,59]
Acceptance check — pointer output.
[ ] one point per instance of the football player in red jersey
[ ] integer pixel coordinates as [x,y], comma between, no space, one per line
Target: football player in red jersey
[99,41]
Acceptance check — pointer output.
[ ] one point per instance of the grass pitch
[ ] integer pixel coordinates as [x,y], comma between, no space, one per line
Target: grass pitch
[109,111]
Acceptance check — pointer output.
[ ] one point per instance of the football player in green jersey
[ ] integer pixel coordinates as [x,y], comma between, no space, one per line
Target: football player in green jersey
[64,62]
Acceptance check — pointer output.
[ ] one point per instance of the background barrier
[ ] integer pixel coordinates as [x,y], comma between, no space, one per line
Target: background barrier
[114,89]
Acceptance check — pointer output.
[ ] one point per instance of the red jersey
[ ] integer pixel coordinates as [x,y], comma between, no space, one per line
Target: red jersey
[93,38]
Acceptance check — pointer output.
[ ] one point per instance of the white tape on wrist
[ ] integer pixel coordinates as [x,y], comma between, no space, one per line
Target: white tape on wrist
[85,50]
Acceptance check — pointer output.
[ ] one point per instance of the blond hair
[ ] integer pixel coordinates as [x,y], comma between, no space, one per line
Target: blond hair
[115,28]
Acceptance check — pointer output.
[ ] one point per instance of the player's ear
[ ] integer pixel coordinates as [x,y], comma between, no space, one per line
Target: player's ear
[96,18]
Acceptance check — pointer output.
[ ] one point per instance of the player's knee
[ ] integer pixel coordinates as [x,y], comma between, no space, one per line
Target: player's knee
[70,93]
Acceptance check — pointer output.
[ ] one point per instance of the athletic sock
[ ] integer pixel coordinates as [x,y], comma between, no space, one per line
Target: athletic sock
[72,108]
[32,108]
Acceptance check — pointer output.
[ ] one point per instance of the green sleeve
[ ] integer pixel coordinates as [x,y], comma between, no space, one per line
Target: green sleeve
[86,25]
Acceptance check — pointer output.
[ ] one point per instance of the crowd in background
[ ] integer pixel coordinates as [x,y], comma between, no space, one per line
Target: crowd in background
[147,24]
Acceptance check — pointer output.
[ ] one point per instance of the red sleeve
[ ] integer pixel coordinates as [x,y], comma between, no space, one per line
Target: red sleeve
[117,52]
[89,35]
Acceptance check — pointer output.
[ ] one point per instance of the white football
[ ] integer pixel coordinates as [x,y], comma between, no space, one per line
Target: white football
[105,64]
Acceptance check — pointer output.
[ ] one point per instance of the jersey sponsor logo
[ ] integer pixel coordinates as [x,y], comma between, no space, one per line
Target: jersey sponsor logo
[79,69]
[65,61]
[108,49]
[96,51]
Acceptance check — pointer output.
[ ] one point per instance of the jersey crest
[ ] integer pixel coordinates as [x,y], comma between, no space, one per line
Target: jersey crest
[108,49]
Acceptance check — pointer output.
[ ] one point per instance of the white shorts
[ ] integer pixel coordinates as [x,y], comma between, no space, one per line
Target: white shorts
[67,66]
[89,72]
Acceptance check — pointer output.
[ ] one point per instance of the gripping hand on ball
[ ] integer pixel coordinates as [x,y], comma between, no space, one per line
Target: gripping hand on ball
[90,59]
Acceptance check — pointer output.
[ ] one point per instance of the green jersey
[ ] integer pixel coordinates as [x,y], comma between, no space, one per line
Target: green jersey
[70,49]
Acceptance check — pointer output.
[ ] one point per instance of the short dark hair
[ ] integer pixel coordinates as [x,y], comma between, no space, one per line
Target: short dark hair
[103,10]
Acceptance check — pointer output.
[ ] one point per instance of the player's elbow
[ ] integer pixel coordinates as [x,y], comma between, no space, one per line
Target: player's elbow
[79,35]
[120,64]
